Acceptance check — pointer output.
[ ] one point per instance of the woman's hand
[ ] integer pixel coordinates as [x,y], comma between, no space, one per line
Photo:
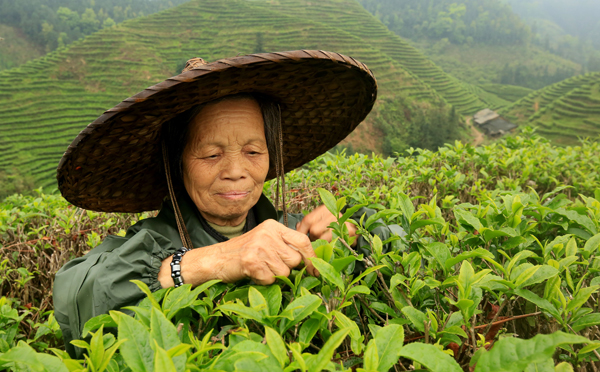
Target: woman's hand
[268,250]
[315,224]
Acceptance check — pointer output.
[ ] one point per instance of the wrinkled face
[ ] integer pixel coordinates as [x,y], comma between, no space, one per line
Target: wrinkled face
[225,161]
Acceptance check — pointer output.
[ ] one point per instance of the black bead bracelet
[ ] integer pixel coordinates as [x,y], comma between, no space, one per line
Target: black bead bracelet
[176,266]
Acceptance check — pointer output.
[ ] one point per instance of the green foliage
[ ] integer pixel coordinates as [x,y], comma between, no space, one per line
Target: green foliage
[54,24]
[527,65]
[479,42]
[467,21]
[16,48]
[488,243]
[570,30]
[12,181]
[416,126]
[522,75]
[38,234]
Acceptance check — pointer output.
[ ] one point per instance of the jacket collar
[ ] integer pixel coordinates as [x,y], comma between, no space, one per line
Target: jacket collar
[263,210]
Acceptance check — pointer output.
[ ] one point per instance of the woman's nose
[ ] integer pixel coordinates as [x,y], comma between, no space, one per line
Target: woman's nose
[233,167]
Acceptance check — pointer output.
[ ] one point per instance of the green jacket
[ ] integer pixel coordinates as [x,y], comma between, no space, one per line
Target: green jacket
[98,282]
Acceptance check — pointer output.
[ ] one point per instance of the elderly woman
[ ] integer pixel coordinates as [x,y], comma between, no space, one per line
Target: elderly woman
[200,147]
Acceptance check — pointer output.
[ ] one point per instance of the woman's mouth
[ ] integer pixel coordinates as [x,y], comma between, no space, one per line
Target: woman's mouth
[233,195]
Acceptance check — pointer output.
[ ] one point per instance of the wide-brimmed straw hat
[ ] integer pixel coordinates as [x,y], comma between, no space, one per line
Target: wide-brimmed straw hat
[115,163]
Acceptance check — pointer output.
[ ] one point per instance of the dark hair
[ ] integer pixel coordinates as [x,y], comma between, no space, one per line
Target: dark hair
[176,131]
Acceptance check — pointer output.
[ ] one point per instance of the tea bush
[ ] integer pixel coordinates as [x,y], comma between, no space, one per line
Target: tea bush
[493,267]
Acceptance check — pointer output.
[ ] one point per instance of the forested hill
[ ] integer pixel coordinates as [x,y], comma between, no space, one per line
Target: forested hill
[461,22]
[46,102]
[29,28]
[570,29]
[477,41]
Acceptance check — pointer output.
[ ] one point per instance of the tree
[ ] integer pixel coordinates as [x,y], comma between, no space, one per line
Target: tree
[258,48]
[89,23]
[68,17]
[108,22]
[50,36]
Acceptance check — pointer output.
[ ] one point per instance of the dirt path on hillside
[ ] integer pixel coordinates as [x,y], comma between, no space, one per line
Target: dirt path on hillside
[478,137]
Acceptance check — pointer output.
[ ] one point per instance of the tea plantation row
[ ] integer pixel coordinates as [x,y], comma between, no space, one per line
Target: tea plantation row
[493,267]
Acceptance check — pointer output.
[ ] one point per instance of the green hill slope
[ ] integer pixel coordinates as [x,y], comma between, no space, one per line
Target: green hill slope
[563,111]
[45,102]
[45,25]
[523,65]
[476,41]
[353,18]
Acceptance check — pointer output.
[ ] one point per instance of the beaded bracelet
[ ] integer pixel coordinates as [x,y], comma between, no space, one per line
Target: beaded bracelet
[176,266]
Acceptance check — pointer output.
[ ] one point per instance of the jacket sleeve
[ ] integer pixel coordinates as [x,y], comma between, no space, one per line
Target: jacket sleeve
[100,281]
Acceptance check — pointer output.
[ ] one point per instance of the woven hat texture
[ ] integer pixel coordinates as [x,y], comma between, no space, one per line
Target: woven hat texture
[115,163]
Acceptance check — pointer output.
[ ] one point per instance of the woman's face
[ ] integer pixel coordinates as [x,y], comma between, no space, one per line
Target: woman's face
[225,161]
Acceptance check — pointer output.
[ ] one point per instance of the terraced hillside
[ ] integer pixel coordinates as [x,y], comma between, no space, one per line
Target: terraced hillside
[353,18]
[564,111]
[46,102]
[510,93]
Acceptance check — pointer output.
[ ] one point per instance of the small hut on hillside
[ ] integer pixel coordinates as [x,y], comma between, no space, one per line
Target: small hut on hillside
[492,124]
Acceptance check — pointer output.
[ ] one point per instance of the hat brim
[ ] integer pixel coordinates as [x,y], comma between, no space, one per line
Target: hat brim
[114,164]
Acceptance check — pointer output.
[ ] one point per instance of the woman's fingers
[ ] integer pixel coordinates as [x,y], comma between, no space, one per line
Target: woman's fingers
[269,250]
[263,275]
[317,222]
[300,243]
[262,263]
[303,226]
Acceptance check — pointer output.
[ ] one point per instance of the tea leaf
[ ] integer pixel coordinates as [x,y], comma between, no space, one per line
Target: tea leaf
[592,244]
[275,343]
[371,360]
[586,321]
[417,318]
[540,302]
[329,200]
[328,272]
[479,252]
[340,264]
[326,353]
[513,354]
[257,301]
[273,296]
[165,335]
[440,252]
[301,307]
[308,330]
[162,362]
[96,322]
[431,357]
[389,341]
[243,311]
[544,273]
[581,298]
[137,350]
